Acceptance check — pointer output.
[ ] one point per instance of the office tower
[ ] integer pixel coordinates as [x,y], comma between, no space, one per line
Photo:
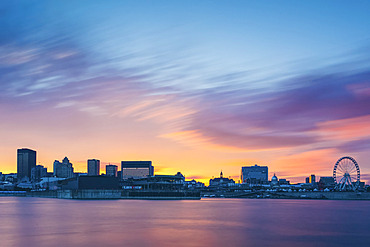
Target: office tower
[93,167]
[26,160]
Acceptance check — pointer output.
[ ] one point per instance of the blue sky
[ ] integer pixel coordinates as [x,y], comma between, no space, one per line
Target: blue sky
[249,81]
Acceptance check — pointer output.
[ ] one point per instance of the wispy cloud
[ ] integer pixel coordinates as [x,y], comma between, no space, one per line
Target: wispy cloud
[66,65]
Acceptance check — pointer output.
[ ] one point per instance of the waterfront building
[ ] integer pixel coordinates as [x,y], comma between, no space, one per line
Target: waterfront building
[26,160]
[111,170]
[274,181]
[91,183]
[38,172]
[307,180]
[283,181]
[158,182]
[49,183]
[11,177]
[193,184]
[326,182]
[93,167]
[254,174]
[221,181]
[63,169]
[136,169]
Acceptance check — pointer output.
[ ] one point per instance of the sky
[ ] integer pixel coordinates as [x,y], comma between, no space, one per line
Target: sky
[194,86]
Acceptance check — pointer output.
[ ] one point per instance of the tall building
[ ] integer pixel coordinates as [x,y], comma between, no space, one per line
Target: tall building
[136,169]
[38,172]
[312,179]
[111,170]
[63,169]
[93,167]
[26,160]
[254,174]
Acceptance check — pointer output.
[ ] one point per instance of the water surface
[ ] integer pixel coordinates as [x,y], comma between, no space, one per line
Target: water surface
[208,222]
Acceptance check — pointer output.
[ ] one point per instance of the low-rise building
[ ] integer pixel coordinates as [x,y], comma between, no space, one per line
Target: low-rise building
[38,172]
[254,175]
[326,182]
[157,182]
[221,181]
[91,183]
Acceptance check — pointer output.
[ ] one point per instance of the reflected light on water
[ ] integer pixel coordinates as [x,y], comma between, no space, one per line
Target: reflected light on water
[210,222]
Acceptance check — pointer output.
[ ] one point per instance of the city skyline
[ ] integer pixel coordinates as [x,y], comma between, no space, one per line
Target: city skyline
[93,168]
[193,87]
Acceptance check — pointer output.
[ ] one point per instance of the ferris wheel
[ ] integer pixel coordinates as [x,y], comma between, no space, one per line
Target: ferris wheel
[346,173]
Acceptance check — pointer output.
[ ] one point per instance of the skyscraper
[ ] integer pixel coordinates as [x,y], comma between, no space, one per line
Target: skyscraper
[26,160]
[93,167]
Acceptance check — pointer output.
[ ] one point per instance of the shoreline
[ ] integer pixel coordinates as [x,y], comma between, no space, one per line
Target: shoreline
[316,195]
[165,195]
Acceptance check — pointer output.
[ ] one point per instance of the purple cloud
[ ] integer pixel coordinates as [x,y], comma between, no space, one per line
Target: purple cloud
[355,146]
[283,117]
[49,65]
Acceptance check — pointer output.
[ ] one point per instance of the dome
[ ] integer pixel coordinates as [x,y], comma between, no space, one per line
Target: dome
[274,178]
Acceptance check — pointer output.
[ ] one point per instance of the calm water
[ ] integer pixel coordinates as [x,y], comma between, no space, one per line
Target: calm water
[210,222]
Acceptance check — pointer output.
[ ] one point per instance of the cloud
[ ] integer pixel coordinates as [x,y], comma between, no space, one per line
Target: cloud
[345,129]
[355,146]
[305,163]
[50,66]
[365,178]
[301,111]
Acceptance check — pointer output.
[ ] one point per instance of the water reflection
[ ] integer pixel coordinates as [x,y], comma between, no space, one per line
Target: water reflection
[212,222]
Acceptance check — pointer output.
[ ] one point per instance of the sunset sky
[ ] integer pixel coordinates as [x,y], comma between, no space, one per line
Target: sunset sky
[194,86]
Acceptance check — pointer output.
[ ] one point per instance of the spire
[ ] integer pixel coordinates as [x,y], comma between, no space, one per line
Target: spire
[221,175]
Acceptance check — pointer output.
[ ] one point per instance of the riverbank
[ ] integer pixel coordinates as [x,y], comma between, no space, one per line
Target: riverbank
[323,195]
[183,195]
[116,194]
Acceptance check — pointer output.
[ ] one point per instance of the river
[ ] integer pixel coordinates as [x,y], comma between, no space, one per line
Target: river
[29,222]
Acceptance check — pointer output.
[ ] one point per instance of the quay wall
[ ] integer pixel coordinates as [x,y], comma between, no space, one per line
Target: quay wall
[301,195]
[161,195]
[44,194]
[89,194]
[12,193]
[327,195]
[117,194]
